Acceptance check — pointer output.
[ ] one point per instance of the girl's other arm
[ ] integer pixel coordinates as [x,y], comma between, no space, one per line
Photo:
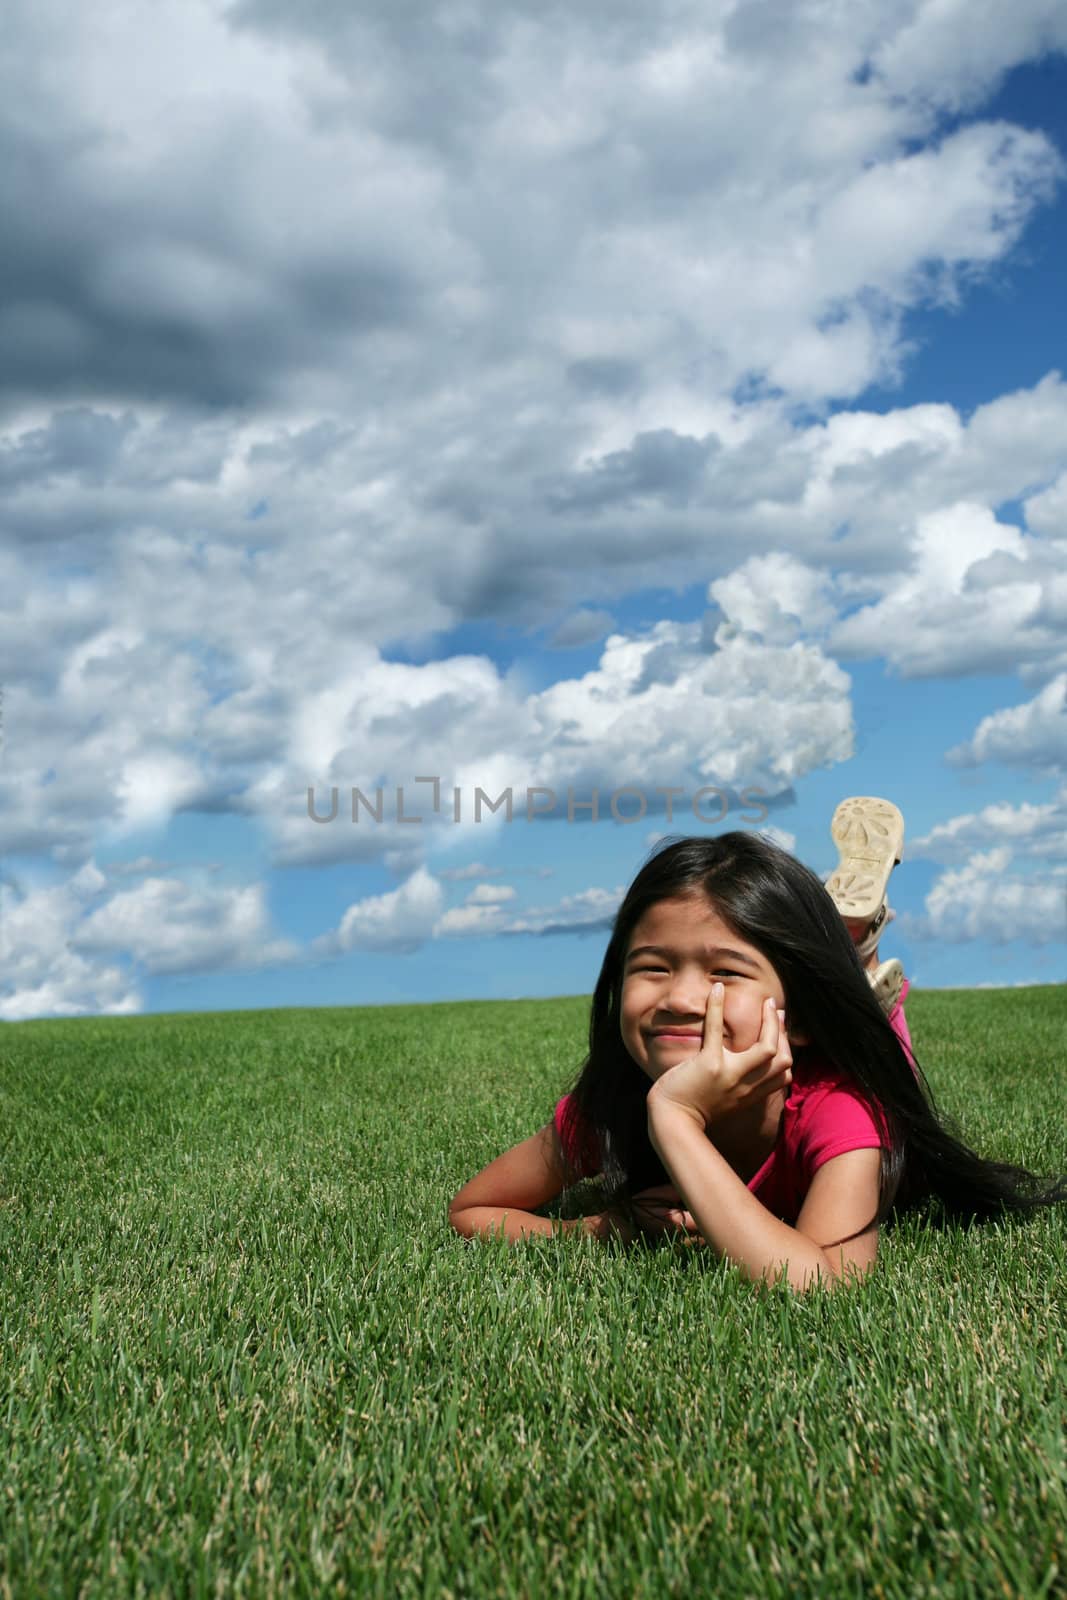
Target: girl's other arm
[839,1210]
[505,1194]
[842,1200]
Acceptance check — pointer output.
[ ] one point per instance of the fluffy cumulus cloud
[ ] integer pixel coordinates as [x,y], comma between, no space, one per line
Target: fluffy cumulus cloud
[1032,735]
[788,246]
[77,947]
[974,597]
[1005,877]
[270,661]
[658,707]
[169,926]
[588,911]
[412,915]
[671,707]
[1034,829]
[42,975]
[985,899]
[483,911]
[491,894]
[399,920]
[776,597]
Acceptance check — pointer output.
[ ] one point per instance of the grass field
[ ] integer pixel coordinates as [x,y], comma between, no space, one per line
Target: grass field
[245,1355]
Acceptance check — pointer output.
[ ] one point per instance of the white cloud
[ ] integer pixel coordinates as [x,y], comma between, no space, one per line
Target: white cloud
[141,867]
[983,900]
[1030,829]
[152,787]
[473,869]
[787,245]
[401,919]
[933,619]
[469,921]
[587,911]
[411,915]
[490,894]
[482,912]
[170,926]
[1046,511]
[41,974]
[264,668]
[583,627]
[1033,734]
[947,52]
[776,597]
[665,708]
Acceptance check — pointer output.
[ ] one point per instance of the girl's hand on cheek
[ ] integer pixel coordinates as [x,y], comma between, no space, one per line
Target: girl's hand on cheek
[716,1082]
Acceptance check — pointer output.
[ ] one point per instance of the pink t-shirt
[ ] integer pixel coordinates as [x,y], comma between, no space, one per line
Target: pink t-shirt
[822,1118]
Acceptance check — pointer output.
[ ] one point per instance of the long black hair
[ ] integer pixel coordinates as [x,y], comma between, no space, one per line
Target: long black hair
[778,905]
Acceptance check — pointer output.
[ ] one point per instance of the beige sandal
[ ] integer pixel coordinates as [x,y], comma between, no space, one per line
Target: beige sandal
[866,946]
[869,835]
[887,981]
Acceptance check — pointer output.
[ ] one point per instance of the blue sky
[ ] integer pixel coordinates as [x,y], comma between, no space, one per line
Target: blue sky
[516,402]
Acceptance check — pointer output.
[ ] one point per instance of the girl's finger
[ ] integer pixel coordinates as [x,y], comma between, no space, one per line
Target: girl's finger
[713,1016]
[762,1064]
[753,1063]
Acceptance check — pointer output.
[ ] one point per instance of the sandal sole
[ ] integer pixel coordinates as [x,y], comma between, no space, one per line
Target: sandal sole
[869,835]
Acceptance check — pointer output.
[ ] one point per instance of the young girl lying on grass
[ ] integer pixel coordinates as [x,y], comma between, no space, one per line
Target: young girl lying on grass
[745,1087]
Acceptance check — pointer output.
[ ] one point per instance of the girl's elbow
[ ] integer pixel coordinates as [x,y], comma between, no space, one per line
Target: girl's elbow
[808,1277]
[837,1275]
[458,1217]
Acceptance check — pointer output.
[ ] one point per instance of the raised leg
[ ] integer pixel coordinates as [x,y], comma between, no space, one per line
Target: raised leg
[869,835]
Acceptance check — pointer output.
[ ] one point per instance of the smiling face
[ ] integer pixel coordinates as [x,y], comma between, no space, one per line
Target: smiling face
[677,950]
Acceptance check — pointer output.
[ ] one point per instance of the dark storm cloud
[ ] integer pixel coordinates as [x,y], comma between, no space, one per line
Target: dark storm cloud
[581,628]
[133,289]
[662,466]
[605,376]
[304,448]
[426,67]
[79,442]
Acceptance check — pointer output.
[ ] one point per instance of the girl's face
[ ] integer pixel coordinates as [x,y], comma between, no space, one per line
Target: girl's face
[677,950]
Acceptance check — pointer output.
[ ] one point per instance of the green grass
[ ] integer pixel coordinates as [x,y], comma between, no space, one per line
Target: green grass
[244,1354]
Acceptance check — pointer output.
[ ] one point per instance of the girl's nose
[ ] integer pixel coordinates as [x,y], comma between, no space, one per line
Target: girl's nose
[687,995]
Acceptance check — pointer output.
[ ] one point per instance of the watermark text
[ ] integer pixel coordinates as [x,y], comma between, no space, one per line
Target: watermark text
[406,806]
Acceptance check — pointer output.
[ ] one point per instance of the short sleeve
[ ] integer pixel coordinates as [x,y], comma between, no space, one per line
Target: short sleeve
[836,1121]
[577,1139]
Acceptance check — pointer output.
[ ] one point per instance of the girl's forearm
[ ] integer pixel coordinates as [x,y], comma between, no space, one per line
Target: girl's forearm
[731,1219]
[516,1225]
